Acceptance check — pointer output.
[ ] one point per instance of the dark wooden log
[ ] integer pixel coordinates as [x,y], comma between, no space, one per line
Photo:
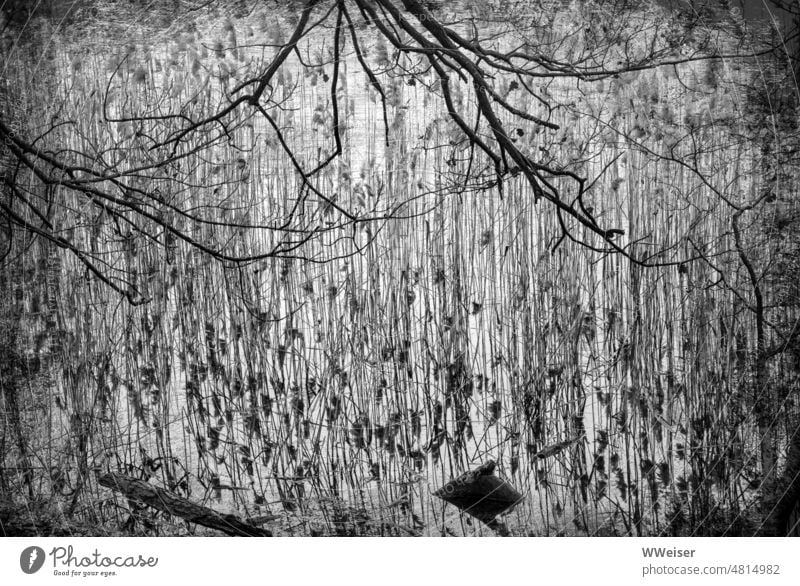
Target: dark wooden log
[481,494]
[163,500]
[782,503]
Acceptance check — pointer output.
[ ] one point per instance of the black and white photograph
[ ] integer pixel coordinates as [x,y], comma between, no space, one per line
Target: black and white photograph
[398,268]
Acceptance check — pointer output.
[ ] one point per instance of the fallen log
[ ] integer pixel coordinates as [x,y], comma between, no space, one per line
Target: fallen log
[143,492]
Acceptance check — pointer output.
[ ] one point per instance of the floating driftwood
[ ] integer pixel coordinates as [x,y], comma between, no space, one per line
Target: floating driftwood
[163,500]
[481,494]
